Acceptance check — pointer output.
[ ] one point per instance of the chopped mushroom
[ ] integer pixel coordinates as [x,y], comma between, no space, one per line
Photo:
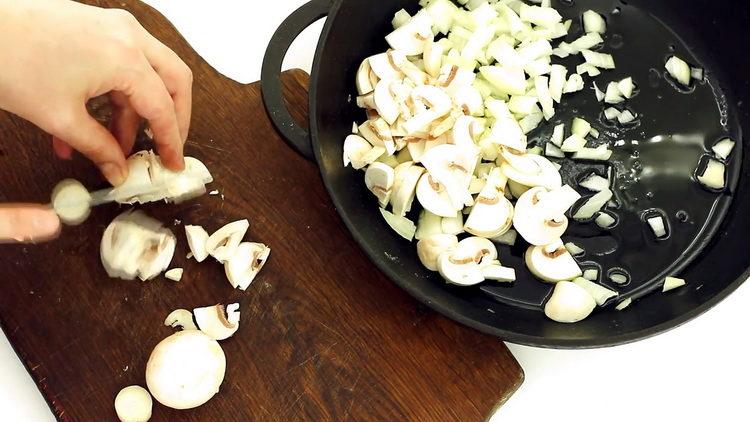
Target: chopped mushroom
[540,214]
[569,303]
[461,266]
[552,263]
[185,370]
[247,261]
[71,202]
[218,322]
[223,243]
[379,180]
[671,283]
[175,274]
[180,318]
[492,214]
[428,225]
[136,245]
[133,404]
[197,238]
[431,247]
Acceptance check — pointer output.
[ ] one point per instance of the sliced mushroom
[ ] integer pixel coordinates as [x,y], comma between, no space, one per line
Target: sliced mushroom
[387,66]
[428,224]
[404,189]
[359,152]
[410,38]
[379,180]
[453,225]
[180,318]
[433,57]
[175,274]
[133,404]
[497,272]
[465,132]
[185,369]
[136,245]
[431,247]
[223,243]
[569,303]
[529,169]
[364,83]
[492,214]
[540,214]
[218,322]
[197,238]
[452,167]
[245,263]
[434,198]
[71,202]
[385,103]
[552,263]
[437,103]
[459,273]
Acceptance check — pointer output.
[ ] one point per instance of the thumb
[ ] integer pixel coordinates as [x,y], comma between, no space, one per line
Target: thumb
[27,223]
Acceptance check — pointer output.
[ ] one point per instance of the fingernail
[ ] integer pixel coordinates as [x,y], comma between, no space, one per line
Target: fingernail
[45,224]
[113,173]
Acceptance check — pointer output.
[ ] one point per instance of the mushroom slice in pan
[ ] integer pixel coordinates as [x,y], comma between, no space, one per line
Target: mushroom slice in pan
[552,263]
[431,247]
[434,198]
[379,179]
[404,189]
[452,167]
[492,213]
[569,303]
[540,214]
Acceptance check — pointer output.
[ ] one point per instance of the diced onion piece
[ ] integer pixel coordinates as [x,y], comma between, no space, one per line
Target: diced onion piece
[508,80]
[613,94]
[573,143]
[592,70]
[600,60]
[537,150]
[594,22]
[713,175]
[557,76]
[618,278]
[624,304]
[697,73]
[552,150]
[593,205]
[595,183]
[545,96]
[574,84]
[521,104]
[558,134]
[600,153]
[507,238]
[531,121]
[598,92]
[723,148]
[658,226]
[600,293]
[401,225]
[591,274]
[679,70]
[626,87]
[626,117]
[612,113]
[594,132]
[574,249]
[580,127]
[604,220]
[671,283]
[400,19]
[541,16]
[585,42]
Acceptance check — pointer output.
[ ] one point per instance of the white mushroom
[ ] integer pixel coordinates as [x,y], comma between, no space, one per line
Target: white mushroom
[359,152]
[453,225]
[431,247]
[180,318]
[136,245]
[569,303]
[410,38]
[552,263]
[71,202]
[492,214]
[223,243]
[437,103]
[133,404]
[465,131]
[540,214]
[530,170]
[218,322]
[508,238]
[246,262]
[185,369]
[387,66]
[434,198]
[452,166]
[175,274]
[364,83]
[496,272]
[385,103]
[197,238]
[405,187]
[428,225]
[600,293]
[461,266]
[379,180]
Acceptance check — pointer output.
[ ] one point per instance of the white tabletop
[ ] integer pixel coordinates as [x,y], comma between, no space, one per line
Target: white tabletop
[695,372]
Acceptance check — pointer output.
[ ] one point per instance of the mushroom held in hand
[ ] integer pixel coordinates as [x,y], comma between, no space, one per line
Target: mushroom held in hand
[185,369]
[569,303]
[552,263]
[136,245]
[133,404]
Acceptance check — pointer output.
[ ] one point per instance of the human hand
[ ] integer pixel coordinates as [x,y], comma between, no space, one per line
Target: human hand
[58,54]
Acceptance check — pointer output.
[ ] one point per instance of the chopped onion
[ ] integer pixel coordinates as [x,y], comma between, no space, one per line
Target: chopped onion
[593,205]
[574,83]
[604,220]
[697,73]
[400,19]
[600,294]
[671,283]
[618,278]
[531,122]
[573,143]
[713,175]
[401,225]
[521,104]
[595,183]
[558,134]
[580,127]
[612,113]
[624,304]
[591,274]
[598,92]
[679,70]
[537,150]
[723,148]
[541,16]
[658,226]
[508,238]
[585,42]
[508,80]
[613,95]
[600,60]
[594,22]
[600,153]
[545,96]
[593,71]
[594,132]
[552,150]
[557,76]
[625,117]
[626,87]
[574,249]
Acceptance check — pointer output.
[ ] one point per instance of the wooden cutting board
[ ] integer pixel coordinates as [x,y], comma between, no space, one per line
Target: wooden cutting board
[323,336]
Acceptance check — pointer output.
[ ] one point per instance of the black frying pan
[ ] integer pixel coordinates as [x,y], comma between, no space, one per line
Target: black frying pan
[709,231]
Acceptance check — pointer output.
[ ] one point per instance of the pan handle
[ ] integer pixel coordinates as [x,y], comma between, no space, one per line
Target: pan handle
[270,77]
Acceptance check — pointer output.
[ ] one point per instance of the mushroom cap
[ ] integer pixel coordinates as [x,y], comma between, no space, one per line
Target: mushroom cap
[452,166]
[533,222]
[434,198]
[569,303]
[559,265]
[475,249]
[492,213]
[431,247]
[461,274]
[185,369]
[355,148]
[530,170]
[385,103]
[364,83]
[133,404]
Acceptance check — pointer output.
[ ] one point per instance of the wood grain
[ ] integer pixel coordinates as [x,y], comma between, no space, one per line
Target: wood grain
[324,335]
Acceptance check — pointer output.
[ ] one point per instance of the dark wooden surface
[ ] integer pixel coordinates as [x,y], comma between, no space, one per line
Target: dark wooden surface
[323,336]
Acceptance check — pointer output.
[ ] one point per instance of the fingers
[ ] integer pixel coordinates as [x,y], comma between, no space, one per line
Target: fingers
[150,99]
[125,122]
[27,223]
[62,149]
[86,135]
[177,78]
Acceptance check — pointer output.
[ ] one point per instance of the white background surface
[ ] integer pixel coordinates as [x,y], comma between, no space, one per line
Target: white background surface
[697,372]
